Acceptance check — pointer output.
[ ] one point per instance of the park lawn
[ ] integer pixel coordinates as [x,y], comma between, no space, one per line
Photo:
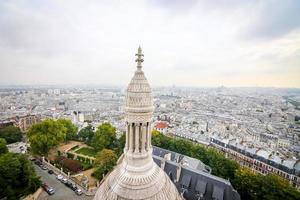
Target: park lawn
[86,151]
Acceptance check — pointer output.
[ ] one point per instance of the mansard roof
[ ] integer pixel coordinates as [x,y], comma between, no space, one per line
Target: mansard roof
[193,182]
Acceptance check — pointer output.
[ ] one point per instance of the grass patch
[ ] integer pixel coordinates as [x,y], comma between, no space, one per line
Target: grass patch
[86,166]
[86,151]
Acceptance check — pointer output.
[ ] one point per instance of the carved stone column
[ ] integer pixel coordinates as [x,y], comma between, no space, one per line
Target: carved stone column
[127,137]
[130,138]
[148,136]
[137,135]
[144,132]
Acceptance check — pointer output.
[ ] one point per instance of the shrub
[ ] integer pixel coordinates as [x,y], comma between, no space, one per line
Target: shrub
[70,155]
[72,165]
[79,158]
[86,166]
[11,134]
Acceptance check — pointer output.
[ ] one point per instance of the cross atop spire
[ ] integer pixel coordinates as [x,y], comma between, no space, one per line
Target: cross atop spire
[139,58]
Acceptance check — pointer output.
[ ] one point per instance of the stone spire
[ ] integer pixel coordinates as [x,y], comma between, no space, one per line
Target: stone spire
[138,114]
[139,58]
[136,176]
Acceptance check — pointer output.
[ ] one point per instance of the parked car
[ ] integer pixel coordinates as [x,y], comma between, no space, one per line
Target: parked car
[48,189]
[78,191]
[59,177]
[68,184]
[64,180]
[50,171]
[37,162]
[32,159]
[73,187]
[44,167]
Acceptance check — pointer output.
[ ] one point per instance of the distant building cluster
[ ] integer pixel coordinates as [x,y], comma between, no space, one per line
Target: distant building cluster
[260,128]
[262,161]
[81,105]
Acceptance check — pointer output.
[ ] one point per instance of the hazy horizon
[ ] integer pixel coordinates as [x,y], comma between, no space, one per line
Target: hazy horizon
[96,86]
[186,43]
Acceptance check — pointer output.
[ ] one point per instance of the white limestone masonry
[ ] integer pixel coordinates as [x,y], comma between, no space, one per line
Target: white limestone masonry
[137,176]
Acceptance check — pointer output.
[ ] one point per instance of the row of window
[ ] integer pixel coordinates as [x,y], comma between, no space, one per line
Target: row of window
[258,166]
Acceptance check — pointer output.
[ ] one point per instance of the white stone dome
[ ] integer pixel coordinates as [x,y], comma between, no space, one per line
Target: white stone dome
[137,177]
[123,184]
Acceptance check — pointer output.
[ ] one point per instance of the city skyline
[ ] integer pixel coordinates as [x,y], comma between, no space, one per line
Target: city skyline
[187,43]
[170,144]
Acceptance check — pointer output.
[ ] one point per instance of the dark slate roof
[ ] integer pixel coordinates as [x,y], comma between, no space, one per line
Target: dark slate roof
[195,182]
[176,157]
[162,152]
[201,186]
[186,180]
[218,193]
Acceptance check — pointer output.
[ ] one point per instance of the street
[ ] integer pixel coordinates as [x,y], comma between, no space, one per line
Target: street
[62,192]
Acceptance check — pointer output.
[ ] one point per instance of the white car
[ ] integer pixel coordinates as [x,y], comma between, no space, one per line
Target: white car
[64,180]
[78,191]
[59,177]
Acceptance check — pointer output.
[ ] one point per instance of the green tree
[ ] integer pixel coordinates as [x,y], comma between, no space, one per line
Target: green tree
[71,133]
[105,137]
[104,162]
[17,176]
[247,183]
[276,188]
[270,187]
[199,152]
[11,134]
[220,165]
[86,134]
[45,135]
[3,147]
[106,157]
[119,145]
[157,139]
[122,140]
[182,146]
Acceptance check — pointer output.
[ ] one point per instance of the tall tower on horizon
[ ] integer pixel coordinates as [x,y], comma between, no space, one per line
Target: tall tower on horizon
[137,177]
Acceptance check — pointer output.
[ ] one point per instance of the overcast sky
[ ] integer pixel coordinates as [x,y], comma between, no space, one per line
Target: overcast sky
[185,42]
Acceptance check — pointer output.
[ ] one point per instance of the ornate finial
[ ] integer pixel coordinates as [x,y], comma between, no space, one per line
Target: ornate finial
[139,59]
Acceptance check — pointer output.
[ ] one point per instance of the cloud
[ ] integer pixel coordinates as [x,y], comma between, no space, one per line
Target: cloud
[272,19]
[185,42]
